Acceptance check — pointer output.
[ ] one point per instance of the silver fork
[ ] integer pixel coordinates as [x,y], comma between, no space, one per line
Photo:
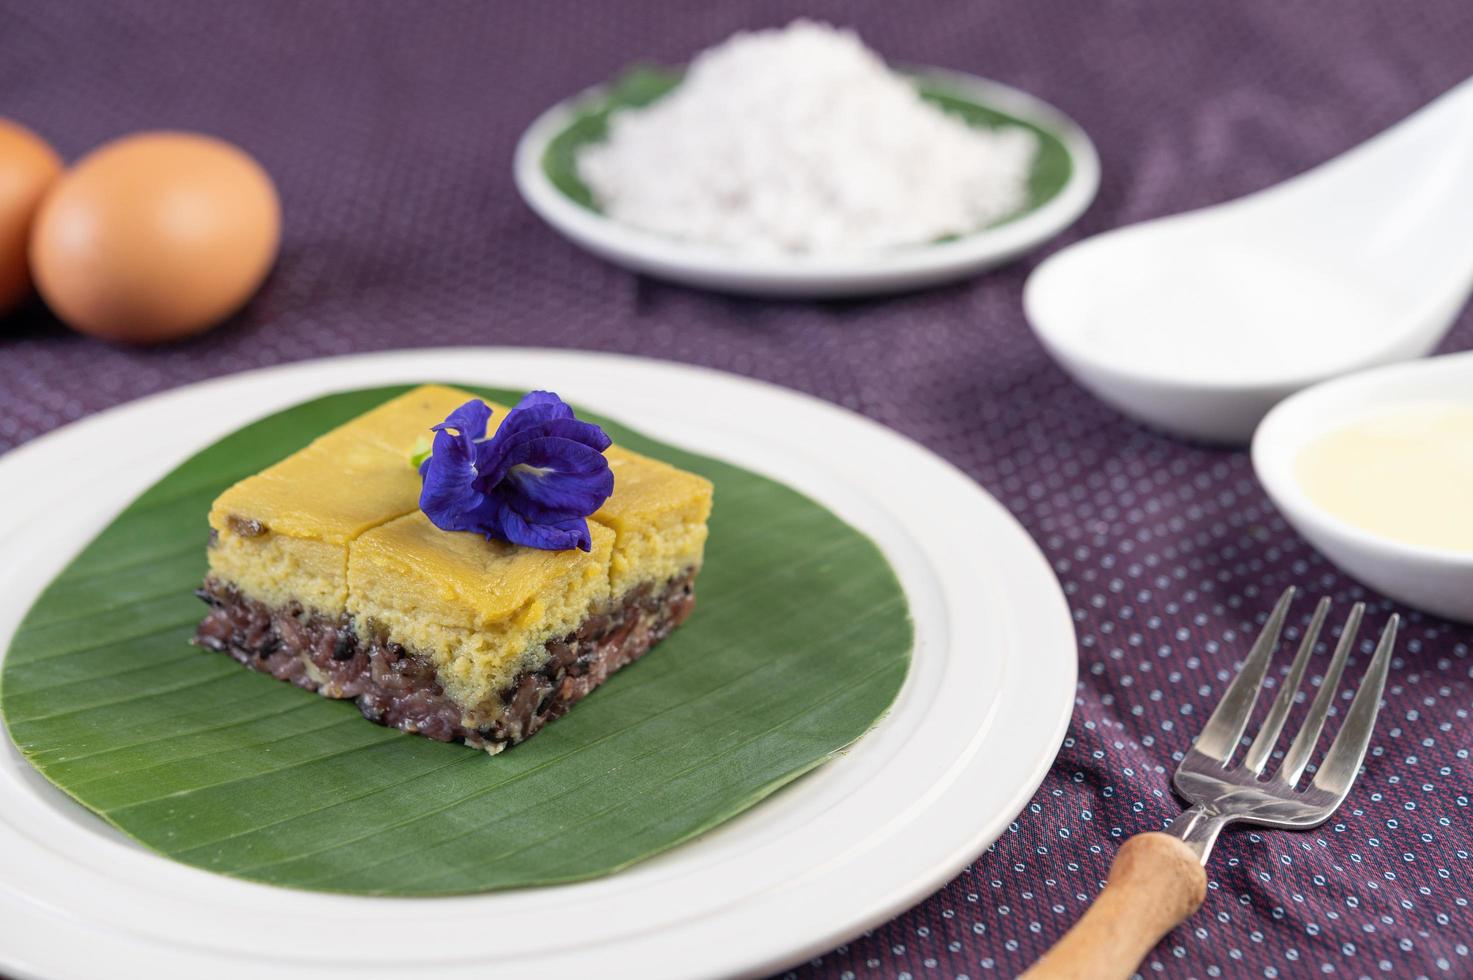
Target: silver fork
[1157,879]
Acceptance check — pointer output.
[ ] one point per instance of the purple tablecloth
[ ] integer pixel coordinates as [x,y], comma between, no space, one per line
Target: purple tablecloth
[390,127]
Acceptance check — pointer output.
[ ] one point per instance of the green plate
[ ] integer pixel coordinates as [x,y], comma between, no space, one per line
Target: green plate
[800,641]
[1052,167]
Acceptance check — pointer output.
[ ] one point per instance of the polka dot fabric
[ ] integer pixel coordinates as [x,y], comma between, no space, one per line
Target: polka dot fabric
[390,129]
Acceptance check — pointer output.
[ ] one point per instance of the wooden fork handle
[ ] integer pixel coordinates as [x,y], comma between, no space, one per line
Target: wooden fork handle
[1155,882]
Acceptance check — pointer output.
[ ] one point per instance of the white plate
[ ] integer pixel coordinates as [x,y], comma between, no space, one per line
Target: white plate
[815,276]
[975,728]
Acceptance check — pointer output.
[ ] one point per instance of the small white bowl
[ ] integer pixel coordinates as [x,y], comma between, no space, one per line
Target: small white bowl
[816,277]
[1437,580]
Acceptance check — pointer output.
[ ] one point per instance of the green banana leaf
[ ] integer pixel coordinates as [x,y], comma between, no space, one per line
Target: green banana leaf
[800,641]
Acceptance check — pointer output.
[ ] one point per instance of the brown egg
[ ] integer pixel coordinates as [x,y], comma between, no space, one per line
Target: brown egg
[155,236]
[27,168]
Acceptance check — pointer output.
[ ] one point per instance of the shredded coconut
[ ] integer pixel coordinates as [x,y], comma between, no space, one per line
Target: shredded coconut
[800,139]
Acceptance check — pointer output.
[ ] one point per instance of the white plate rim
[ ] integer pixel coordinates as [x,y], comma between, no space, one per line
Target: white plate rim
[972,799]
[816,276]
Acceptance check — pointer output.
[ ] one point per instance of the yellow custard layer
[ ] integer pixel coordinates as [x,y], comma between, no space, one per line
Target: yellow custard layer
[337,528]
[659,514]
[314,502]
[482,610]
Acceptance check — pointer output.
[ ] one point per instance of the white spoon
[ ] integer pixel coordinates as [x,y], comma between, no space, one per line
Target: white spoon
[1439,580]
[1199,322]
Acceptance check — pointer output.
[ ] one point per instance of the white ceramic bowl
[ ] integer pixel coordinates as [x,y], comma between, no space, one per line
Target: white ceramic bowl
[1437,580]
[803,276]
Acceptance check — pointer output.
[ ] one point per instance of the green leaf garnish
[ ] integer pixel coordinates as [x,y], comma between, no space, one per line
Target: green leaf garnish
[420,453]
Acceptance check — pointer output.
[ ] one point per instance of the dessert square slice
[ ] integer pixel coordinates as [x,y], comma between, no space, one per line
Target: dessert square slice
[282,535]
[324,572]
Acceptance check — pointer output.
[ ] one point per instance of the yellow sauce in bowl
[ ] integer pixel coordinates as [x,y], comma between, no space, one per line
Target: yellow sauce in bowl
[1404,474]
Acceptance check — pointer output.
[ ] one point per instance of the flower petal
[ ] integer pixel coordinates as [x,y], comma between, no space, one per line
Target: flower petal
[497,456]
[556,479]
[521,420]
[545,398]
[558,536]
[533,483]
[469,420]
[449,496]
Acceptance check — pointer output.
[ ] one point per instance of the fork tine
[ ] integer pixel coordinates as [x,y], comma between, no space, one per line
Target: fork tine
[1225,727]
[1342,762]
[1297,757]
[1268,735]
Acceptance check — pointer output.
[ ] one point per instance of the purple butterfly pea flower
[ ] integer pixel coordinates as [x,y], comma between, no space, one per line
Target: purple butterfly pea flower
[533,483]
